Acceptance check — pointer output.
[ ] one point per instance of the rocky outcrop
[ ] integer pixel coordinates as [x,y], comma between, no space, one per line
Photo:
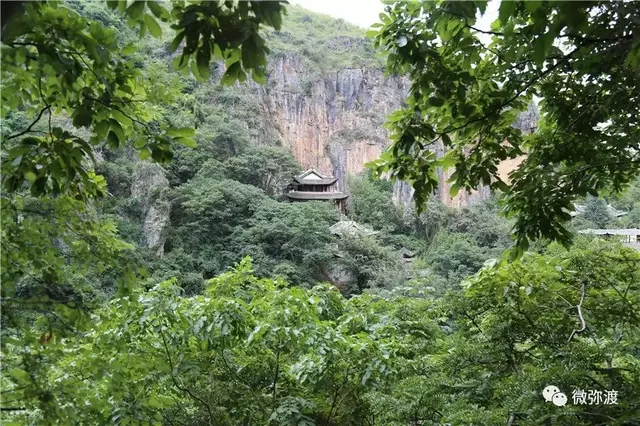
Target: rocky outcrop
[528,120]
[333,122]
[403,192]
[339,275]
[150,186]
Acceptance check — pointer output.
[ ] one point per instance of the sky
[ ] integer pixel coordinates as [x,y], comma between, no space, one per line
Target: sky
[365,12]
[359,12]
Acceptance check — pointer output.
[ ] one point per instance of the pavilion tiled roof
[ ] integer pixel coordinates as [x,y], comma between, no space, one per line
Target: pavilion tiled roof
[317,179]
[351,227]
[323,181]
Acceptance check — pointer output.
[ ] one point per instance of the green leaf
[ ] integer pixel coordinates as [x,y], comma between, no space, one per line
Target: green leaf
[181,132]
[248,54]
[154,402]
[118,130]
[153,26]
[135,10]
[82,117]
[30,176]
[371,33]
[366,376]
[121,117]
[19,374]
[541,46]
[437,102]
[455,188]
[143,28]
[502,186]
[140,142]
[468,109]
[159,11]
[129,49]
[448,160]
[231,74]
[194,69]
[507,9]
[532,5]
[202,61]
[101,129]
[145,153]
[187,142]
[176,42]
[112,140]
[258,77]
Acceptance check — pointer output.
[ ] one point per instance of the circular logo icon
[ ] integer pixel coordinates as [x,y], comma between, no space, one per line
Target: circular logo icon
[549,391]
[559,399]
[552,394]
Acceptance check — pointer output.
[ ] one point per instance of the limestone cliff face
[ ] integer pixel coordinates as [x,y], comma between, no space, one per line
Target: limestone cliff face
[403,192]
[149,186]
[332,123]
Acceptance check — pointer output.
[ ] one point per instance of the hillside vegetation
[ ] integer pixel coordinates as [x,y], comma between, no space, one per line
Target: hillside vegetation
[170,282]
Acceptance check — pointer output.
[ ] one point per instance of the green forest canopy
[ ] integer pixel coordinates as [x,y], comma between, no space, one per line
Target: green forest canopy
[582,59]
[97,330]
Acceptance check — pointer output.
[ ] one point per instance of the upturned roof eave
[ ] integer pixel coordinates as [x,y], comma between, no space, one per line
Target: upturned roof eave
[323,182]
[301,195]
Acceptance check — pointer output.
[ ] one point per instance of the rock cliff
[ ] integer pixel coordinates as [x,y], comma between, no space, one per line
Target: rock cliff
[333,123]
[327,97]
[149,186]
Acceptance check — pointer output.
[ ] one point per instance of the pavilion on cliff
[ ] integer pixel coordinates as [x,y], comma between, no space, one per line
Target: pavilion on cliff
[312,185]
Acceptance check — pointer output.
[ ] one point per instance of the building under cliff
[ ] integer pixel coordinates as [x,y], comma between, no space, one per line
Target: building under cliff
[311,185]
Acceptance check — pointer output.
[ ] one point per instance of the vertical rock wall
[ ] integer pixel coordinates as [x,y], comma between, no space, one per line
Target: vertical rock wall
[332,123]
[149,186]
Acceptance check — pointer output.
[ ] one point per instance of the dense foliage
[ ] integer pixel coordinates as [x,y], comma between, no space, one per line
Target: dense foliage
[259,351]
[469,84]
[141,291]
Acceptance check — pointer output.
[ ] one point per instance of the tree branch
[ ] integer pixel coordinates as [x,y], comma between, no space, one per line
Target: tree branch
[117,109]
[335,396]
[47,106]
[520,33]
[579,307]
[514,97]
[28,129]
[473,321]
[180,387]
[275,379]
[230,370]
